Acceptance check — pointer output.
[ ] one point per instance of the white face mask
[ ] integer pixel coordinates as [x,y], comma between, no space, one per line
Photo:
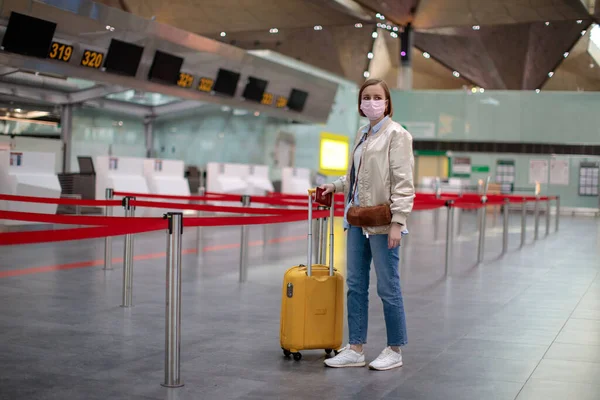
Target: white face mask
[373,109]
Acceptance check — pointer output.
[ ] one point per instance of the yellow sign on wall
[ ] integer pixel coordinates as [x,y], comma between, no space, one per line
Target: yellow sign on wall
[333,155]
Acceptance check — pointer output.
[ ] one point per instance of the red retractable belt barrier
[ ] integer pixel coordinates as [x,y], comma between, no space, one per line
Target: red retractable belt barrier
[48,200]
[75,219]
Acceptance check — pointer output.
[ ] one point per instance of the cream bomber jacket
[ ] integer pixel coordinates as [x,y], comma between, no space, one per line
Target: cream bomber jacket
[386,173]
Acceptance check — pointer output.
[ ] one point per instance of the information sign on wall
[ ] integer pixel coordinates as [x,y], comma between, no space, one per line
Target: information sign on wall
[559,172]
[588,178]
[158,165]
[538,171]
[506,175]
[461,167]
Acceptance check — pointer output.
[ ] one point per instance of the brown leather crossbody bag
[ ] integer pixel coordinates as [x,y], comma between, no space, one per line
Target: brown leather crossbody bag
[365,217]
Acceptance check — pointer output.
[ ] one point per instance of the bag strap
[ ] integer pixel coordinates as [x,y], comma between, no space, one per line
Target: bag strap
[362,140]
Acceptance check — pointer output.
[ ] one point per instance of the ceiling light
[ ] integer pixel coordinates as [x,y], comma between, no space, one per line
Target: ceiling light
[18,110]
[370,56]
[108,27]
[550,74]
[592,65]
[481,90]
[566,54]
[393,34]
[476,27]
[579,21]
[374,35]
[473,90]
[273,30]
[456,74]
[380,25]
[547,23]
[583,32]
[366,74]
[396,29]
[426,55]
[112,28]
[223,34]
[537,90]
[359,25]
[378,15]
[256,113]
[318,28]
[388,27]
[403,53]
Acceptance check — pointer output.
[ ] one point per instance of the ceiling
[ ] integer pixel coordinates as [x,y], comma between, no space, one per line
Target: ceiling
[494,44]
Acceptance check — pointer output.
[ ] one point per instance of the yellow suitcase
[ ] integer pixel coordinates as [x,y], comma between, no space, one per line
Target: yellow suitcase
[312,305]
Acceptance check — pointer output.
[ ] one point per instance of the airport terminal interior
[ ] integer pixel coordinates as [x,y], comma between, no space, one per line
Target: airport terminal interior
[163,234]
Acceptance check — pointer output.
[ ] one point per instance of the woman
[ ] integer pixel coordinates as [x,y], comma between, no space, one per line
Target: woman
[380,174]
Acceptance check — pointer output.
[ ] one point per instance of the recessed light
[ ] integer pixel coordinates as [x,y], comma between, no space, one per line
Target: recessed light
[223,34]
[318,28]
[273,30]
[393,34]
[403,53]
[366,74]
[579,21]
[481,90]
[370,56]
[547,23]
[583,32]
[359,25]
[374,35]
[256,113]
[537,90]
[18,110]
[395,29]
[476,27]
[108,27]
[112,28]
[550,74]
[456,74]
[566,54]
[473,90]
[426,55]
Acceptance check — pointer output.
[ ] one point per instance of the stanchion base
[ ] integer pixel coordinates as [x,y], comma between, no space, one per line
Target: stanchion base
[172,386]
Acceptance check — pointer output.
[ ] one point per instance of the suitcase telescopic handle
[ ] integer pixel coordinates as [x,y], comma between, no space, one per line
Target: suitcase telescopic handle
[311,192]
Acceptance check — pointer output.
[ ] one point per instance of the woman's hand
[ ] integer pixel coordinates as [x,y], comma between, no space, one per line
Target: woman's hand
[394,236]
[328,187]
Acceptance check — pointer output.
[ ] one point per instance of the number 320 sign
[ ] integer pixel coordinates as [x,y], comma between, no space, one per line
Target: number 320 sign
[92,59]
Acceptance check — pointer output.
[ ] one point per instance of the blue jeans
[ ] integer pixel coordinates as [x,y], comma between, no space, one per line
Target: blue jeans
[360,251]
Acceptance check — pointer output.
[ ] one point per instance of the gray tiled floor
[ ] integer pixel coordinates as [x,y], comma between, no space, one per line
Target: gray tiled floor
[524,326]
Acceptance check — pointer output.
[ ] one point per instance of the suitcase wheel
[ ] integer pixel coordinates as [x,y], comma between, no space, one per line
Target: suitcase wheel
[297,356]
[287,353]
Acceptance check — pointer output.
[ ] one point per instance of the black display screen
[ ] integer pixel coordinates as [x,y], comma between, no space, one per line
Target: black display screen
[297,100]
[123,58]
[226,82]
[27,35]
[255,88]
[165,68]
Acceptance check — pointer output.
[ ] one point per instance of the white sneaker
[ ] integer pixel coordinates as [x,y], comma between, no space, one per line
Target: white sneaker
[346,358]
[388,359]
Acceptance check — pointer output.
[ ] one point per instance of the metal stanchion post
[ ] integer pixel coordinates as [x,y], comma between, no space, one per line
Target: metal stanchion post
[458,212]
[536,217]
[557,212]
[523,222]
[505,221]
[482,221]
[128,257]
[199,241]
[108,211]
[449,232]
[173,302]
[548,217]
[436,212]
[244,245]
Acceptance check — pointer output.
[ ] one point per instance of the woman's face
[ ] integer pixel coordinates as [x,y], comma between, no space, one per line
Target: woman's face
[373,92]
